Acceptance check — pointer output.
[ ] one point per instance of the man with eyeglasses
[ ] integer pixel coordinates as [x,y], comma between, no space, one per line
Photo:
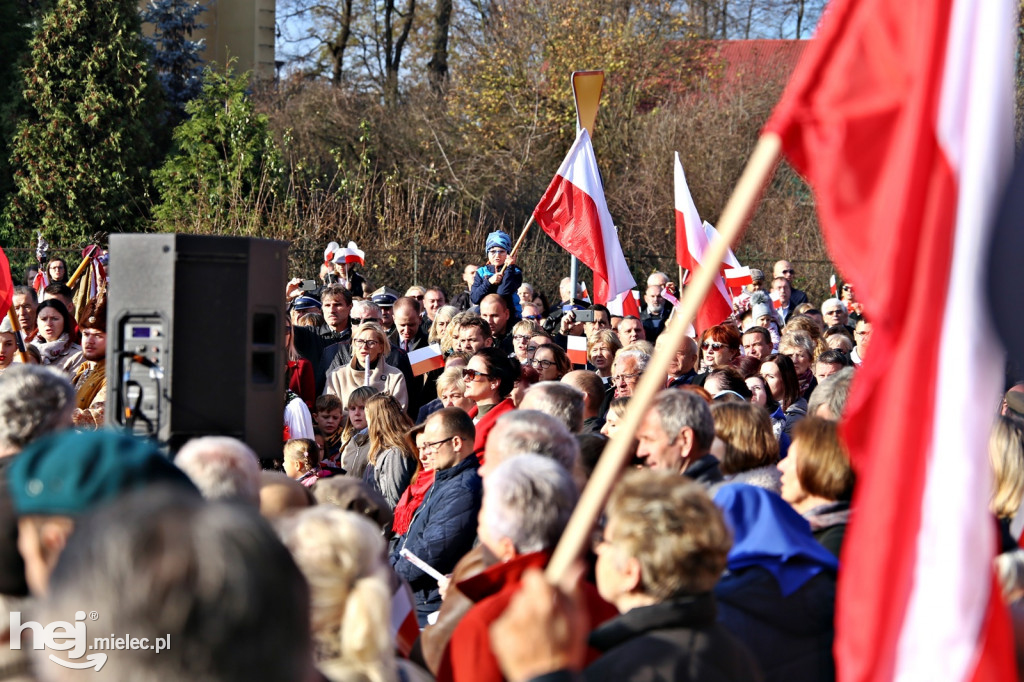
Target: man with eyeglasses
[833,312]
[862,336]
[444,527]
[784,269]
[676,435]
[626,371]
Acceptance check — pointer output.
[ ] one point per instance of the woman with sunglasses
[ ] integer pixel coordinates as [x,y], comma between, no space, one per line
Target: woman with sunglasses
[490,376]
[719,347]
[368,367]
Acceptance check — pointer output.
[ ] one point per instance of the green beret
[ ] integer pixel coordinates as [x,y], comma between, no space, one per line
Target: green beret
[70,472]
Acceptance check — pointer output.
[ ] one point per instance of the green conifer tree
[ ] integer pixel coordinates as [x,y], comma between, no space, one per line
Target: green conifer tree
[225,174]
[83,146]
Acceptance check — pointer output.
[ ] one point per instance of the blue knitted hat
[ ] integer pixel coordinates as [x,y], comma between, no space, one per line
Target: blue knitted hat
[500,240]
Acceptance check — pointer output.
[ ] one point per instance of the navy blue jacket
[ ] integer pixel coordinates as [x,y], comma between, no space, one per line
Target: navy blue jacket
[506,288]
[442,531]
[791,637]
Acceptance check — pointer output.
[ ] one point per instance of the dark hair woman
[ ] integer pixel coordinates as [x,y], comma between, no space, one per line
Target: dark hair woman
[780,376]
[54,339]
[489,376]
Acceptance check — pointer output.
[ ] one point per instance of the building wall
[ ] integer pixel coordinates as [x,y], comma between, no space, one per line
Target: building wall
[243,29]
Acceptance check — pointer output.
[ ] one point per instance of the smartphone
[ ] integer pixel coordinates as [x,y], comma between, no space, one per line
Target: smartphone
[308,285]
[584,315]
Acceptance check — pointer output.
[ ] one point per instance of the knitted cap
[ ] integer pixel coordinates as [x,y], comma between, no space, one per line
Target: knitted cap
[500,240]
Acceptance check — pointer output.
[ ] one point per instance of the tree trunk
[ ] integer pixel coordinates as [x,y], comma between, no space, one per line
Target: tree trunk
[393,45]
[337,47]
[437,67]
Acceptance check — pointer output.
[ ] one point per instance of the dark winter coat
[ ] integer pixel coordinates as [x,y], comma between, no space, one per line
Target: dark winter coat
[442,530]
[675,641]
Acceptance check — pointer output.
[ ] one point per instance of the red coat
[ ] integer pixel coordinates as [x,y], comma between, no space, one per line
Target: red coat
[486,423]
[468,657]
[301,381]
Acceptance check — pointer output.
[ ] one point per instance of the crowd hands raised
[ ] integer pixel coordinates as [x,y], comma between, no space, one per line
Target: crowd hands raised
[405,529]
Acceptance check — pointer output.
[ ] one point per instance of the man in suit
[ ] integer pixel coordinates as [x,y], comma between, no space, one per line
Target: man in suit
[784,269]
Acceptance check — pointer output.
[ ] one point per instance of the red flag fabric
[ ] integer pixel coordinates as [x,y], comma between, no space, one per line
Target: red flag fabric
[6,283]
[573,212]
[693,236]
[900,117]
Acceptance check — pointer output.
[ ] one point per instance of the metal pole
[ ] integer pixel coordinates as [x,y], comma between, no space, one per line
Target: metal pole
[573,273]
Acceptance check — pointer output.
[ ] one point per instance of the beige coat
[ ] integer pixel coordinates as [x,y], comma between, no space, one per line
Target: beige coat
[341,382]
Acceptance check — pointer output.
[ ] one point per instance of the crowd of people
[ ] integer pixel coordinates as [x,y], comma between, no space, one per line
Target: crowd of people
[402,532]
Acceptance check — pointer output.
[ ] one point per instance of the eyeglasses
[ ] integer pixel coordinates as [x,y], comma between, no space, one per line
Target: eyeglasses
[436,444]
[532,317]
[521,337]
[369,343]
[789,272]
[847,287]
[496,252]
[616,378]
[472,374]
[541,363]
[712,345]
[418,298]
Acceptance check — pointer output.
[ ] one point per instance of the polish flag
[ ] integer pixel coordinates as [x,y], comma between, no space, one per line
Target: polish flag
[832,284]
[404,626]
[738,277]
[350,254]
[573,212]
[329,252]
[576,346]
[900,115]
[425,359]
[691,244]
[730,258]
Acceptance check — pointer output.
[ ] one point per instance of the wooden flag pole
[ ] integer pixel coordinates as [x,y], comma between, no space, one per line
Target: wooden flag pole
[78,272]
[519,242]
[22,355]
[742,203]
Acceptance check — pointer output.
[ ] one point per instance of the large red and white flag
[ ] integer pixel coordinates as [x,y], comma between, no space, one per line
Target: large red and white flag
[573,212]
[692,239]
[900,116]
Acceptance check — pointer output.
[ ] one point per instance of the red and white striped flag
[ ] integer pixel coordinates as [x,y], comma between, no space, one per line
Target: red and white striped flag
[832,284]
[738,277]
[691,244]
[350,254]
[900,115]
[404,626]
[576,347]
[573,212]
[332,248]
[426,359]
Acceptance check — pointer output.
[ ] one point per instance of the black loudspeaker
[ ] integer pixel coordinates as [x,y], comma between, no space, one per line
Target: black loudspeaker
[195,338]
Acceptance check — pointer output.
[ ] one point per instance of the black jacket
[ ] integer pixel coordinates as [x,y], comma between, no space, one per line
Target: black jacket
[675,641]
[791,637]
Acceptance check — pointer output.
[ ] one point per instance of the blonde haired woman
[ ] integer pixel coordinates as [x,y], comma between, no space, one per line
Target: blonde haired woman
[342,556]
[442,318]
[1006,454]
[368,367]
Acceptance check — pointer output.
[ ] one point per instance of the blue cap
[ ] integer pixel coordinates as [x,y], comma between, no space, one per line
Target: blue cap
[71,472]
[500,240]
[305,303]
